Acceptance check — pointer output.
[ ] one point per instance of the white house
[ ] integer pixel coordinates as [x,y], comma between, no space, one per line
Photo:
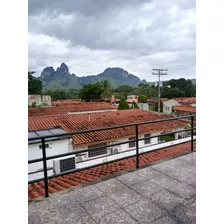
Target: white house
[39,100]
[168,105]
[46,125]
[53,146]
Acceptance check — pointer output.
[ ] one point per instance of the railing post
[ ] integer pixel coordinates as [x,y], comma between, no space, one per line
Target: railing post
[137,150]
[192,134]
[45,167]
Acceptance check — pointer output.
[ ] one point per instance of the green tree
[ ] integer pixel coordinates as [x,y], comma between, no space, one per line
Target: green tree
[142,98]
[34,85]
[124,91]
[123,105]
[106,89]
[146,90]
[91,92]
[134,105]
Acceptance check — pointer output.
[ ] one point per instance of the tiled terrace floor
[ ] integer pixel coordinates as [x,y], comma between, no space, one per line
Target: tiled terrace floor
[65,182]
[164,193]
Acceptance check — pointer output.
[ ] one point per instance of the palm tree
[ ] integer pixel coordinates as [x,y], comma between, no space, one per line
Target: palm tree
[106,89]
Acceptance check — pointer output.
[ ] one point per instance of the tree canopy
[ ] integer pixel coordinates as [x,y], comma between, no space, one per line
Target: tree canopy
[178,88]
[134,105]
[142,98]
[34,85]
[123,105]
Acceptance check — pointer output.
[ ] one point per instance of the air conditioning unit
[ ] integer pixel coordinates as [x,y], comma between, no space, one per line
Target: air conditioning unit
[81,157]
[114,150]
[64,164]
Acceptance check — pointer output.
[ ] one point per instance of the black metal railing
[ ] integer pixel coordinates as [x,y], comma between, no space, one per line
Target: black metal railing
[44,158]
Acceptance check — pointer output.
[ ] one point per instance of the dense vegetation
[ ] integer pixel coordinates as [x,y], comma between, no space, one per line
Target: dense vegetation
[102,90]
[34,85]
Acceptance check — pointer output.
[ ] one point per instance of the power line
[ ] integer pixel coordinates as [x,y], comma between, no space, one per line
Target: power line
[159,72]
[180,68]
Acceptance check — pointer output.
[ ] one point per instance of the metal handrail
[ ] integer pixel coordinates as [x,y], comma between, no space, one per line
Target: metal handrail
[137,139]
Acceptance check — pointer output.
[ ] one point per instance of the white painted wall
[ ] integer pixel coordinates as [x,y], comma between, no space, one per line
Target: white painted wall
[167,106]
[130,153]
[39,100]
[143,106]
[65,145]
[55,148]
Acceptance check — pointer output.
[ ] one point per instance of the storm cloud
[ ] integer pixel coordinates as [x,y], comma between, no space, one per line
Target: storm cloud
[90,36]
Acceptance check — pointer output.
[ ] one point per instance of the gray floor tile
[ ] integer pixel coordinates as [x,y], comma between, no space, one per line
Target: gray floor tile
[191,181]
[184,213]
[165,220]
[88,193]
[120,217]
[164,181]
[111,185]
[144,211]
[190,158]
[99,207]
[166,200]
[183,190]
[125,197]
[147,173]
[146,188]
[180,175]
[130,178]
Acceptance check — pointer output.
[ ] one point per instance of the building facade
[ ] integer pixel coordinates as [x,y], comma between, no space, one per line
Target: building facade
[168,106]
[80,142]
[39,100]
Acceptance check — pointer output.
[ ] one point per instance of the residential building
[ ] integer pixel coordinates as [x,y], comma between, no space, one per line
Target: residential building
[75,108]
[168,106]
[39,100]
[79,122]
[64,103]
[184,110]
[132,98]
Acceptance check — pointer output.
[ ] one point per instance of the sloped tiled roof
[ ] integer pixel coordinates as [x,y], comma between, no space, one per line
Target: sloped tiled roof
[81,122]
[73,107]
[185,108]
[185,100]
[57,184]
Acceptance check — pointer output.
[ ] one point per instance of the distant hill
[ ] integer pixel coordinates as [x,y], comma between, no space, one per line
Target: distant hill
[62,79]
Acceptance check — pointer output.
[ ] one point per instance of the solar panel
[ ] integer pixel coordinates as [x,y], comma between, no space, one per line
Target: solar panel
[32,134]
[56,131]
[44,133]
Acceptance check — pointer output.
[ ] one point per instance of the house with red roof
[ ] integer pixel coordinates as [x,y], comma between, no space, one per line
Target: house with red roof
[71,107]
[64,123]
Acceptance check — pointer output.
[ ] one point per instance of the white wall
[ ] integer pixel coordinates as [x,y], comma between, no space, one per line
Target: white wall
[65,145]
[55,148]
[130,153]
[39,100]
[143,106]
[167,106]
[121,148]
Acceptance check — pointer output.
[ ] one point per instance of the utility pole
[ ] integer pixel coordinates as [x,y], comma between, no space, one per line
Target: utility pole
[159,72]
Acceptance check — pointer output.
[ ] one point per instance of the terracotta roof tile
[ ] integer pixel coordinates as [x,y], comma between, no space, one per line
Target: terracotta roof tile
[76,107]
[81,122]
[60,183]
[185,108]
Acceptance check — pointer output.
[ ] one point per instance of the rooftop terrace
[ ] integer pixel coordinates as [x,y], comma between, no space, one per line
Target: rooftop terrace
[164,192]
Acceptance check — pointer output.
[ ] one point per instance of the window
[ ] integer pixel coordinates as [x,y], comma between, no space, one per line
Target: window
[132,144]
[46,146]
[97,152]
[147,141]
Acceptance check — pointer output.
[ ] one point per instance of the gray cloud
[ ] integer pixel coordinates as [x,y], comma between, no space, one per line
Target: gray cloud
[128,34]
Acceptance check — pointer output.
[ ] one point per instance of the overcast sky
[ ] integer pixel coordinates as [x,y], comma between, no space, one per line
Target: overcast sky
[91,35]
